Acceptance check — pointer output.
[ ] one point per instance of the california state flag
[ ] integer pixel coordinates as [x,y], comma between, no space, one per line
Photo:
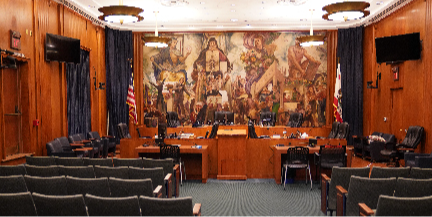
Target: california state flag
[337,100]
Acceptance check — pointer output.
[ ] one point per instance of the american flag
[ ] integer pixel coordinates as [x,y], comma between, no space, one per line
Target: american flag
[337,99]
[131,100]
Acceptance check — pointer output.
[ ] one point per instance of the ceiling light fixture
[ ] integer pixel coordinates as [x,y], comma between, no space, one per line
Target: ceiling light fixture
[156,41]
[121,13]
[173,3]
[345,11]
[311,40]
[292,2]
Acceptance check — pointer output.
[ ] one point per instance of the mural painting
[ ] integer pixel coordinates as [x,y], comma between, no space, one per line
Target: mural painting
[243,72]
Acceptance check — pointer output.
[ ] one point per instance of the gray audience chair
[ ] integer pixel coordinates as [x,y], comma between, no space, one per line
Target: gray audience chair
[131,187]
[117,172]
[167,165]
[55,185]
[151,206]
[129,162]
[387,172]
[408,187]
[66,205]
[77,171]
[17,204]
[420,173]
[399,206]
[41,160]
[12,184]
[6,170]
[107,162]
[112,206]
[94,186]
[43,171]
[155,174]
[70,161]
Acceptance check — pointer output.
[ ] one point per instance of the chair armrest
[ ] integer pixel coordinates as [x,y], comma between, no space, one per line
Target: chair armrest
[157,192]
[107,136]
[85,141]
[168,183]
[197,209]
[75,145]
[364,210]
[92,139]
[423,161]
[83,149]
[64,154]
[176,171]
[324,192]
[340,200]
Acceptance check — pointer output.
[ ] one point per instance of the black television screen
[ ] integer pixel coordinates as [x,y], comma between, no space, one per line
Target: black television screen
[398,48]
[62,49]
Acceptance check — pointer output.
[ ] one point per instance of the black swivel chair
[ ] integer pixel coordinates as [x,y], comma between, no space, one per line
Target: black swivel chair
[334,131]
[330,156]
[251,130]
[268,118]
[123,131]
[173,151]
[214,130]
[295,120]
[54,148]
[343,131]
[411,141]
[173,119]
[111,142]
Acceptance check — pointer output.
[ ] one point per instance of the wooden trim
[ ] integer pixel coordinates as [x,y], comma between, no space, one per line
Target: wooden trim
[324,191]
[197,209]
[176,170]
[168,183]
[85,48]
[340,200]
[158,191]
[16,156]
[364,210]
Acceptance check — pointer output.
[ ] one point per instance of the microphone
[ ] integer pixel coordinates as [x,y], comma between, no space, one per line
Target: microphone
[206,134]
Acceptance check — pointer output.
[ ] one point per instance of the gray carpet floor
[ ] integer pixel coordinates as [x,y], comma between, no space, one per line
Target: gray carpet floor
[254,197]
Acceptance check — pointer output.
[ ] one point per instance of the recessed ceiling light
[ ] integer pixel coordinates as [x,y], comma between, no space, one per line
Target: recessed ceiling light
[262,7]
[219,26]
[234,20]
[204,8]
[233,5]
[232,10]
[380,3]
[203,3]
[248,25]
[263,2]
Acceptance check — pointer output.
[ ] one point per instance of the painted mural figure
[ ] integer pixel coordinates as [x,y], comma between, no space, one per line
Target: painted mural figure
[169,59]
[299,69]
[160,102]
[180,89]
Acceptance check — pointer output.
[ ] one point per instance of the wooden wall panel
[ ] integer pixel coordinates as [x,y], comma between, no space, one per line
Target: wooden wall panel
[404,102]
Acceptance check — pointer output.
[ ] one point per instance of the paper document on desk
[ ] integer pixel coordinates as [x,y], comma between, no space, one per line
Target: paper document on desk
[304,135]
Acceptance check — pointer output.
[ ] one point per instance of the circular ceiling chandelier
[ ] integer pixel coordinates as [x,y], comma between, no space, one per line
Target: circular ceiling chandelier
[345,11]
[121,13]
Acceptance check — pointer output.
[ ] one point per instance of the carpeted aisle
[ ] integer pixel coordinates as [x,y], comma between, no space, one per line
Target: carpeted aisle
[253,198]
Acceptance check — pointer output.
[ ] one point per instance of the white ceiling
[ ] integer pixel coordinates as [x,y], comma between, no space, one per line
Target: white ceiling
[216,15]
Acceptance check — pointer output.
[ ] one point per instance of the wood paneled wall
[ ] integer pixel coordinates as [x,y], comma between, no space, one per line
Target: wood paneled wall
[44,94]
[405,102]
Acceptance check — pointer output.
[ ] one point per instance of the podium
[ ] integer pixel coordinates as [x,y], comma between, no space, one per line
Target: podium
[232,154]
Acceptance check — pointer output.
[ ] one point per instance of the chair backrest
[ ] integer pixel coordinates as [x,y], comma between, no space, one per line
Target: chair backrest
[156,174]
[53,147]
[334,131]
[413,137]
[172,119]
[117,172]
[128,162]
[6,170]
[151,206]
[400,206]
[331,156]
[112,206]
[341,176]
[295,120]
[12,184]
[343,131]
[130,187]
[64,143]
[268,118]
[417,173]
[77,171]
[17,204]
[408,187]
[170,151]
[40,160]
[55,185]
[95,186]
[43,171]
[70,161]
[123,131]
[94,134]
[298,155]
[387,172]
[214,130]
[220,117]
[166,164]
[365,190]
[251,130]
[98,161]
[74,138]
[66,205]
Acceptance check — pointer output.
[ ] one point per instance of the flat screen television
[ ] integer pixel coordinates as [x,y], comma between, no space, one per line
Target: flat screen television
[62,49]
[398,48]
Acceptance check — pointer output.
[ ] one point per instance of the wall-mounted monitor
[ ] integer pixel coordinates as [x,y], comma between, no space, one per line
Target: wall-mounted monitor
[398,48]
[62,49]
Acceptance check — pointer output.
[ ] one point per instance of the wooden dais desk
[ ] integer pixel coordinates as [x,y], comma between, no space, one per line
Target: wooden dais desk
[232,154]
[185,149]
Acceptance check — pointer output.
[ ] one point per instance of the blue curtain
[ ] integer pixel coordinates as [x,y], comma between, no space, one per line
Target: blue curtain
[118,50]
[78,95]
[350,52]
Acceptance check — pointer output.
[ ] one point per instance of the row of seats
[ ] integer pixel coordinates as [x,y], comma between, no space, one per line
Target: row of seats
[67,185]
[341,177]
[26,204]
[160,173]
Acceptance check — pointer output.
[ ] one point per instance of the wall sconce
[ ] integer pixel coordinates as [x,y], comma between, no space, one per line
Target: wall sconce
[101,85]
[369,83]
